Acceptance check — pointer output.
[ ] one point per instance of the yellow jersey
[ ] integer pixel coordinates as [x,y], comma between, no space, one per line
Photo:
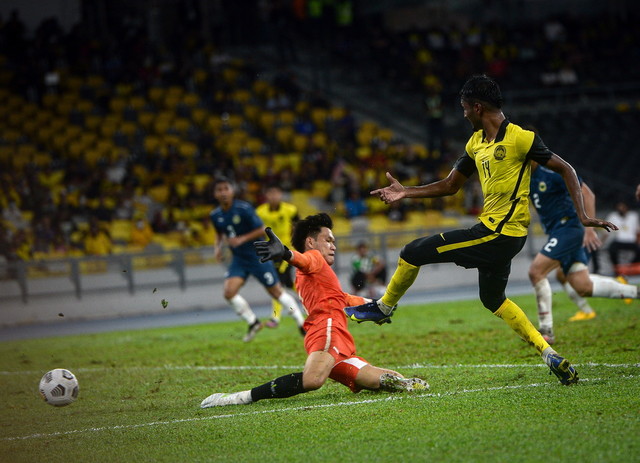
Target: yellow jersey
[280,220]
[504,170]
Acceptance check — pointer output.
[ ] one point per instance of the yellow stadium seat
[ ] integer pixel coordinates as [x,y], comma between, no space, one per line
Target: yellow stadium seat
[319,140]
[159,193]
[385,134]
[318,117]
[321,188]
[156,94]
[287,117]
[284,135]
[260,87]
[214,124]
[137,102]
[252,113]
[117,104]
[188,149]
[267,121]
[92,122]
[191,99]
[151,143]
[145,119]
[171,101]
[337,112]
[84,106]
[199,115]
[302,107]
[299,143]
[181,125]
[254,145]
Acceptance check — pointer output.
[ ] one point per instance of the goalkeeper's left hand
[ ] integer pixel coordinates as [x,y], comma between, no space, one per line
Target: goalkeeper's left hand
[272,249]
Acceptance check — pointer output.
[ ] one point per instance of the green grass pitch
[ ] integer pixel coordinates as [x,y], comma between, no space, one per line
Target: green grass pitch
[491,398]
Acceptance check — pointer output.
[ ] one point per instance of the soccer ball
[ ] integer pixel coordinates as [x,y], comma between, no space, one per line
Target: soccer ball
[59,387]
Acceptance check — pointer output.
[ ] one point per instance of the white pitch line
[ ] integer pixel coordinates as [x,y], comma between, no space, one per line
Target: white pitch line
[299,367]
[294,409]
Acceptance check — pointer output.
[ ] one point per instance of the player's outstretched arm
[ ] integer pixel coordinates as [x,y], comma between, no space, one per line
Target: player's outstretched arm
[445,187]
[272,249]
[559,165]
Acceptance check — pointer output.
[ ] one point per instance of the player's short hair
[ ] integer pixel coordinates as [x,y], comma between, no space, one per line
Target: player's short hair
[309,226]
[272,186]
[482,88]
[222,179]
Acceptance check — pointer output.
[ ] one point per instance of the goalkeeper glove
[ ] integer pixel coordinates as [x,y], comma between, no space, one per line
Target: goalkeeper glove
[272,249]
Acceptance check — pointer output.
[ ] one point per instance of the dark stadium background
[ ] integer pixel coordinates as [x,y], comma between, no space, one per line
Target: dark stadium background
[114,111]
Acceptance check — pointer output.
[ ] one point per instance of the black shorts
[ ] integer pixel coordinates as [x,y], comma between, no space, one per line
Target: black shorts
[477,247]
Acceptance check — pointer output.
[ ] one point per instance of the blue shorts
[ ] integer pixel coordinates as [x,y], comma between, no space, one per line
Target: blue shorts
[565,246]
[265,272]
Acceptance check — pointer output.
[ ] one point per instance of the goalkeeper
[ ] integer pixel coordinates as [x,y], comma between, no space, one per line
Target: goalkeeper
[330,347]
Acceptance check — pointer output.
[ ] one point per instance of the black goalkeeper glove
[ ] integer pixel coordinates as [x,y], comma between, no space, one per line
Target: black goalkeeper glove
[272,249]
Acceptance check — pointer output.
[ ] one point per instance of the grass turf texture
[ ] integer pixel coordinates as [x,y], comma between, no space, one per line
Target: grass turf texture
[490,399]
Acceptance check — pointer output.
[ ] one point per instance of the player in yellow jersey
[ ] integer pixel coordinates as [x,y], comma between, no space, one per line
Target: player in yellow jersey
[500,152]
[280,217]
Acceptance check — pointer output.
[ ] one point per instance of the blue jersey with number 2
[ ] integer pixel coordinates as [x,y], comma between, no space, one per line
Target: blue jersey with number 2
[550,197]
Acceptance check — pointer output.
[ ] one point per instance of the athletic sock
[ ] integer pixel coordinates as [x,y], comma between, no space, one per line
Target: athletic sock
[544,300]
[612,289]
[545,354]
[277,310]
[242,308]
[279,388]
[402,279]
[578,300]
[518,321]
[288,301]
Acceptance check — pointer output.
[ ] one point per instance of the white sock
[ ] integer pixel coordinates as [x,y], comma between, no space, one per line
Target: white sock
[543,298]
[612,289]
[578,300]
[244,397]
[242,308]
[288,302]
[546,353]
[384,308]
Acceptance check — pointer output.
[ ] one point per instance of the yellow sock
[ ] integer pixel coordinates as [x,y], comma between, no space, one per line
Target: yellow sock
[277,310]
[518,321]
[402,279]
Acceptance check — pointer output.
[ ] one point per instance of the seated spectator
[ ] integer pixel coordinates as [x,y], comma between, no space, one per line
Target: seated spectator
[368,272]
[354,205]
[141,233]
[97,242]
[626,237]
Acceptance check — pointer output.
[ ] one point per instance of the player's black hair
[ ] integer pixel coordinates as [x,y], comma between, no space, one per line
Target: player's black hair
[309,226]
[222,179]
[271,185]
[482,88]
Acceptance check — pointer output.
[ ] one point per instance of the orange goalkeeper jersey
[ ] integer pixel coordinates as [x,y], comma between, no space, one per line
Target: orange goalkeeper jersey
[319,288]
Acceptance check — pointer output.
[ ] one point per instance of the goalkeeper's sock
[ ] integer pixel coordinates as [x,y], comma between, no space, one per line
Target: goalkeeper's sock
[402,279]
[518,321]
[279,388]
[289,302]
[578,300]
[612,289]
[242,308]
[543,298]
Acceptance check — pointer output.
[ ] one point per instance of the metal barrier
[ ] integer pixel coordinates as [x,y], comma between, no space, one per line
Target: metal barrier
[176,268]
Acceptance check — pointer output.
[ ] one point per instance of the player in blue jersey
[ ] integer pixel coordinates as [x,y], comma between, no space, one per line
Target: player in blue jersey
[566,249]
[238,226]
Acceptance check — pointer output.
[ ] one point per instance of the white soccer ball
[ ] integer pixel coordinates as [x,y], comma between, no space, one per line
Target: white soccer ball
[59,387]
